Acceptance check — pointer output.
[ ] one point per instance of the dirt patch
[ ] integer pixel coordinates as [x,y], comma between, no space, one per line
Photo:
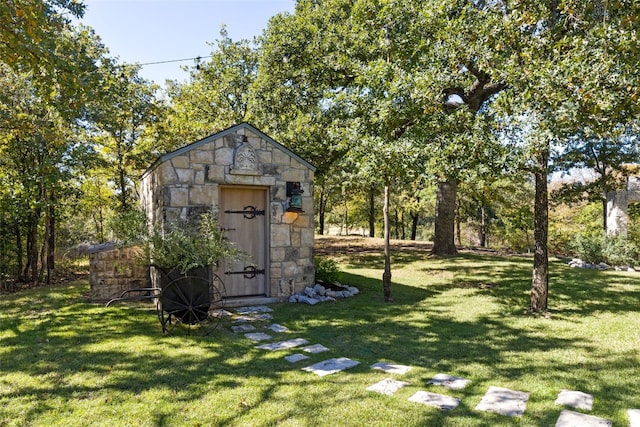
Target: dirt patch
[346,245]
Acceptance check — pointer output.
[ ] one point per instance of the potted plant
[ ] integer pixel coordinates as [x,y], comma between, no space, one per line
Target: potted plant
[181,248]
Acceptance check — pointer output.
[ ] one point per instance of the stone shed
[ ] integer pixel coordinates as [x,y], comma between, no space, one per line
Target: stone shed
[262,195]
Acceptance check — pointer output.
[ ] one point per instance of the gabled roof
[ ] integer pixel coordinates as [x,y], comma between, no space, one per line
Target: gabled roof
[221,134]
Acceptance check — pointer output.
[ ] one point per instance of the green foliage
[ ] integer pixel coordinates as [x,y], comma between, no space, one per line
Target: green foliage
[327,269]
[218,94]
[620,250]
[181,246]
[589,248]
[615,250]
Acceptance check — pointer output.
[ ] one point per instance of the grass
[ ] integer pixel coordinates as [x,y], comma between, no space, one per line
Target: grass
[68,362]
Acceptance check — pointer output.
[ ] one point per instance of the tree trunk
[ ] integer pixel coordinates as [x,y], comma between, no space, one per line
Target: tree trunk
[124,204]
[372,212]
[604,205]
[483,227]
[31,266]
[396,222]
[540,281]
[386,276]
[51,246]
[19,252]
[443,241]
[321,211]
[415,218]
[458,221]
[346,218]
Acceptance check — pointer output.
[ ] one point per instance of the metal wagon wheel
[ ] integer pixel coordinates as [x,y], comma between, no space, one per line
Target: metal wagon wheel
[191,300]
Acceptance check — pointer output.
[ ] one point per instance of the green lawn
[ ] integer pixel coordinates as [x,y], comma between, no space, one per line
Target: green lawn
[67,362]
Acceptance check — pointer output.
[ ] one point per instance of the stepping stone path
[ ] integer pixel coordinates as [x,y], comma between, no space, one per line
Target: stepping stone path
[497,399]
[447,381]
[278,328]
[331,366]
[504,401]
[283,345]
[576,419]
[245,327]
[433,399]
[390,368]
[296,358]
[253,309]
[387,386]
[253,318]
[258,336]
[316,348]
[575,399]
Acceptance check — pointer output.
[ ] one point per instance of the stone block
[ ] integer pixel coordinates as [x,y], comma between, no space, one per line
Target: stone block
[292,254]
[281,158]
[264,180]
[307,237]
[264,157]
[185,176]
[278,254]
[279,193]
[201,156]
[199,177]
[290,269]
[181,162]
[215,173]
[239,179]
[280,235]
[178,196]
[295,175]
[201,195]
[223,156]
[296,237]
[305,252]
[166,174]
[275,270]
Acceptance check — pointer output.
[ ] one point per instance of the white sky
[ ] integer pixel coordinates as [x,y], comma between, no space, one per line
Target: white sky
[145,31]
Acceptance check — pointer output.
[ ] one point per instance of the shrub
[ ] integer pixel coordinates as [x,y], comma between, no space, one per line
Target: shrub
[588,247]
[620,250]
[613,250]
[326,270]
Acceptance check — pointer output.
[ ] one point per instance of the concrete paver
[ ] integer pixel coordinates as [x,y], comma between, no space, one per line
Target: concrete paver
[331,366]
[448,381]
[504,401]
[391,368]
[387,386]
[576,419]
[575,399]
[433,399]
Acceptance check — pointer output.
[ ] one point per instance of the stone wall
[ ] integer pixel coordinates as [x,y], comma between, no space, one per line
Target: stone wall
[187,182]
[113,270]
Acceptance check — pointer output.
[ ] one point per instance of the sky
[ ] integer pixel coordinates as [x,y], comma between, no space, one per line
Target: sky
[145,31]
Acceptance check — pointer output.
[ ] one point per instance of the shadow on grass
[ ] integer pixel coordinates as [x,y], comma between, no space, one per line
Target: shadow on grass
[513,350]
[115,361]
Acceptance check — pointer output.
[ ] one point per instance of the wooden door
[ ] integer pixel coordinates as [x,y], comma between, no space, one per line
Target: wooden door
[244,220]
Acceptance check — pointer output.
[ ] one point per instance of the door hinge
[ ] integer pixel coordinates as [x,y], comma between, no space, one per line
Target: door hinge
[249,212]
[249,272]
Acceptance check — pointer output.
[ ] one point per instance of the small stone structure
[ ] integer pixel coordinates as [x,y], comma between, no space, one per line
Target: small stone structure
[113,270]
[262,194]
[618,201]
